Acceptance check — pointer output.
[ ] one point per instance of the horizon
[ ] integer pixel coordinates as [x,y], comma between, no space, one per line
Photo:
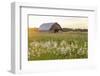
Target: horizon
[64,22]
[62,28]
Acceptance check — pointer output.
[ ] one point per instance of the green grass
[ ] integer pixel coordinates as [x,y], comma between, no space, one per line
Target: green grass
[48,46]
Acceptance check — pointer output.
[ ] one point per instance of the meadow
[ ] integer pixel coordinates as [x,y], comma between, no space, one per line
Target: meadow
[63,45]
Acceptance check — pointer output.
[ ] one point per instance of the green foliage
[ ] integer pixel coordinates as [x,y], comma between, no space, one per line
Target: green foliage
[65,45]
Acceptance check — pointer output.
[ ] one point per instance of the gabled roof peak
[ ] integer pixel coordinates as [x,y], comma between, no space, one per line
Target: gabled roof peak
[46,26]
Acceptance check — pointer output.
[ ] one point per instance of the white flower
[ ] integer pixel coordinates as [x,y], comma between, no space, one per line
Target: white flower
[63,50]
[80,51]
[68,48]
[85,44]
[63,43]
[55,45]
[72,45]
[46,44]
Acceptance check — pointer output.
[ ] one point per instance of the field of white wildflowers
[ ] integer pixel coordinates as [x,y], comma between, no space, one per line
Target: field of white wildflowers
[49,46]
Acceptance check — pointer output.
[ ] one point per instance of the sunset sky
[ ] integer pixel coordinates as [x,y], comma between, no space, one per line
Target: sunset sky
[65,22]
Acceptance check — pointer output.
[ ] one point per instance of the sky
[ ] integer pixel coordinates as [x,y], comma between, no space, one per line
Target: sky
[65,22]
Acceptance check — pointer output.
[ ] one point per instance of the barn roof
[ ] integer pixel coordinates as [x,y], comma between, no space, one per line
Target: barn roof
[46,26]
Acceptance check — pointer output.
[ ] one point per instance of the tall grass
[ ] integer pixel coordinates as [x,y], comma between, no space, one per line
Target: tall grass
[66,45]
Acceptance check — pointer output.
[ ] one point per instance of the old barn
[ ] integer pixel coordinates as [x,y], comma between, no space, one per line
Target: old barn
[50,27]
